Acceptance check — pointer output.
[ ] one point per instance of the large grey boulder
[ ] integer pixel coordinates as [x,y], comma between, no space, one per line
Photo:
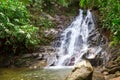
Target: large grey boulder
[83,70]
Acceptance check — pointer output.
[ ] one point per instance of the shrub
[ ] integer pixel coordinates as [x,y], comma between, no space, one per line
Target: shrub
[15,31]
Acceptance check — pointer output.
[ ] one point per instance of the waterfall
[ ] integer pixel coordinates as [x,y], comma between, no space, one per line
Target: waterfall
[80,40]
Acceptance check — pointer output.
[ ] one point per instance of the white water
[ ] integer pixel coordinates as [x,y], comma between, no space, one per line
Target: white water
[74,41]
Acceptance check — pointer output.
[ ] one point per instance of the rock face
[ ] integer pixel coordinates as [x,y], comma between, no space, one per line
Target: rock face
[82,71]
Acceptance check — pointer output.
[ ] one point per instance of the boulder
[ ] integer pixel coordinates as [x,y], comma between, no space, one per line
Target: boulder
[83,70]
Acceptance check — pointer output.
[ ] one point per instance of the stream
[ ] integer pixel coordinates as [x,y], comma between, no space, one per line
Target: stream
[39,74]
[36,74]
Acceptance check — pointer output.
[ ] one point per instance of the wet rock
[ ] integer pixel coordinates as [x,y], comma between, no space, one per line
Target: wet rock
[40,57]
[105,72]
[115,76]
[95,38]
[118,78]
[82,71]
[26,55]
[112,67]
[35,54]
[41,49]
[113,70]
[43,59]
[98,76]
[51,60]
[51,32]
[30,55]
[48,49]
[38,64]
[60,19]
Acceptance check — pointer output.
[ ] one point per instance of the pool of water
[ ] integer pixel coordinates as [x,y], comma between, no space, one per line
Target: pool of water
[37,74]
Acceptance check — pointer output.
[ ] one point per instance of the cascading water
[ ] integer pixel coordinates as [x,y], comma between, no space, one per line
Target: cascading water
[76,41]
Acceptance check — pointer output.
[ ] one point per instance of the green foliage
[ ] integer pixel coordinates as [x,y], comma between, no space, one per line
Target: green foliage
[38,10]
[46,23]
[65,3]
[15,30]
[89,4]
[83,3]
[43,4]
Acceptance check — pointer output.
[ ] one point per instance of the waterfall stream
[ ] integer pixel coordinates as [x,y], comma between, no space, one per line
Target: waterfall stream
[80,40]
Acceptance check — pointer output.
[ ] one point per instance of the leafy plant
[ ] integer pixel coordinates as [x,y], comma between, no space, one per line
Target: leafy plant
[16,33]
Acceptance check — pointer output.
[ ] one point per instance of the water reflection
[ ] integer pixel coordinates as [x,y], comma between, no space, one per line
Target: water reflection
[27,74]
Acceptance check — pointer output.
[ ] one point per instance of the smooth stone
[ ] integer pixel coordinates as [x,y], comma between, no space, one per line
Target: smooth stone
[83,70]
